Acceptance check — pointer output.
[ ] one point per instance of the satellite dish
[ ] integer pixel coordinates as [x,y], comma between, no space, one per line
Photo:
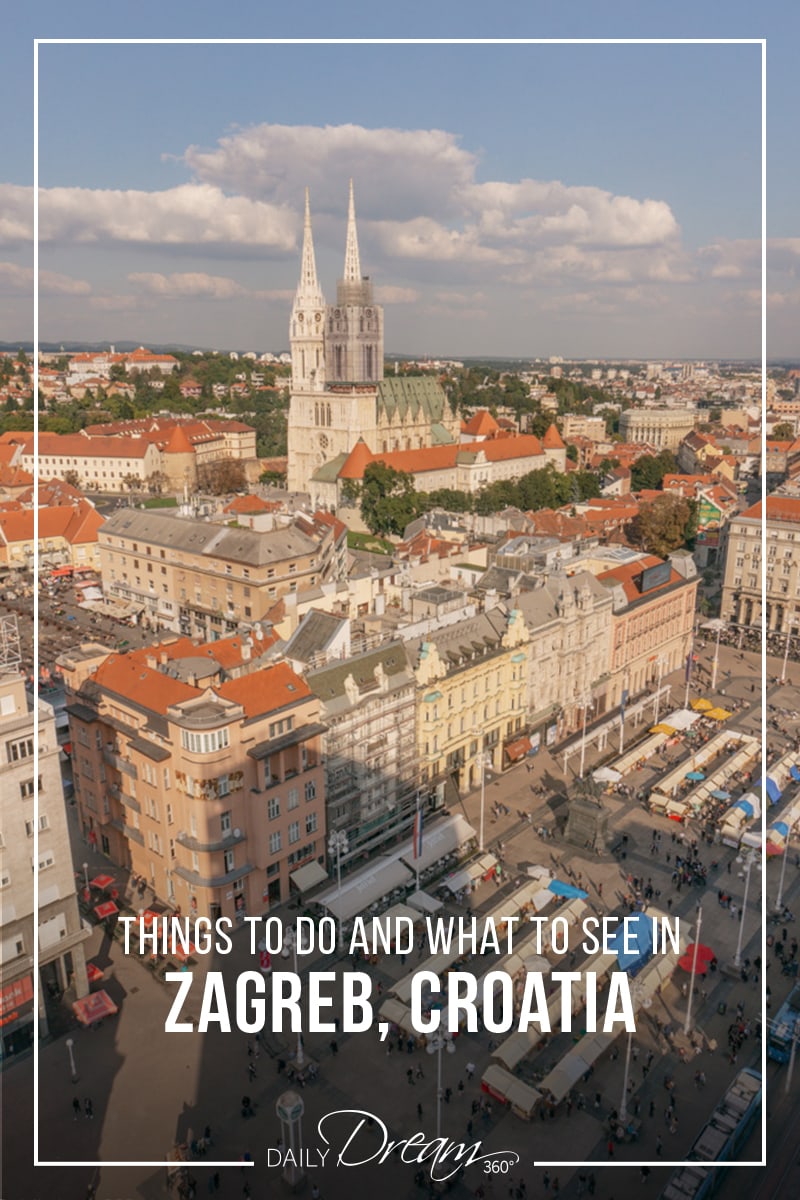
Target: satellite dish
[237,832]
[259,632]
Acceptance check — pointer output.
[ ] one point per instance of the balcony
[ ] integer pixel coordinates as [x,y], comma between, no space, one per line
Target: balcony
[212,881]
[127,831]
[115,760]
[224,843]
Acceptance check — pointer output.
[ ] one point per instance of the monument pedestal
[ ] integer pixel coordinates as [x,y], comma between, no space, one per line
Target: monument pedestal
[587,820]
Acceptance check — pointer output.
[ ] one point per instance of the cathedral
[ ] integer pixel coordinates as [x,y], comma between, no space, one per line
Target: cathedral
[338,394]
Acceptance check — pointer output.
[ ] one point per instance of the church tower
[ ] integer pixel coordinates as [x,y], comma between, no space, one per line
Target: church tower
[307,325]
[354,334]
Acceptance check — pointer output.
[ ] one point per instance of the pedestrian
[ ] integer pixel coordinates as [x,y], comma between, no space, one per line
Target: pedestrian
[251,1071]
[88,1109]
[546,1181]
[556,1186]
[419,1111]
[419,1073]
[334,1047]
[610,1147]
[659,1144]
[592,1184]
[652,1108]
[314,1192]
[410,1076]
[470,1069]
[76,1108]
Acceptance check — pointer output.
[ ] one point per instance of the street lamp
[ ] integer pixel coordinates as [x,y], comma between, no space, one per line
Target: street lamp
[338,844]
[436,1045]
[483,760]
[660,663]
[636,993]
[86,876]
[687,1023]
[779,901]
[790,625]
[73,1070]
[717,626]
[747,860]
[290,947]
[586,702]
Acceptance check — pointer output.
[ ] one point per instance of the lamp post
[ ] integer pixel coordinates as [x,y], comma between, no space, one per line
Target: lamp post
[86,876]
[661,663]
[790,625]
[290,947]
[72,1067]
[484,759]
[623,1107]
[338,844]
[719,626]
[586,701]
[687,1023]
[436,1045]
[779,901]
[747,861]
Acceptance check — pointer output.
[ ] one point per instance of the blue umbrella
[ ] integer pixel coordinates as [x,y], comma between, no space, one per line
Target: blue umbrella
[695,775]
[780,827]
[718,794]
[795,774]
[773,791]
[640,936]
[567,890]
[745,806]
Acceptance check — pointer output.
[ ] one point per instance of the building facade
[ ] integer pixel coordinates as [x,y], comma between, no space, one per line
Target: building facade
[368,707]
[664,428]
[205,580]
[57,924]
[743,603]
[210,787]
[472,679]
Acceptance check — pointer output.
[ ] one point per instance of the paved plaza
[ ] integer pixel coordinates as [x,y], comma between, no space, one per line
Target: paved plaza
[151,1090]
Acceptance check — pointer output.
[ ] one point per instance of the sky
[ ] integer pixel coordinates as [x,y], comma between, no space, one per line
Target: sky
[513,200]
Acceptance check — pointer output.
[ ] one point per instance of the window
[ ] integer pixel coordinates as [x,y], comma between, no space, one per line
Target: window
[170,817]
[205,743]
[275,842]
[46,860]
[225,823]
[278,727]
[292,799]
[5,879]
[19,749]
[311,823]
[311,790]
[273,808]
[294,832]
[26,789]
[229,860]
[223,785]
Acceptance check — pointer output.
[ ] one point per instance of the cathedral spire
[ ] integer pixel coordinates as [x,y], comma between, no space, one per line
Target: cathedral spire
[352,266]
[308,288]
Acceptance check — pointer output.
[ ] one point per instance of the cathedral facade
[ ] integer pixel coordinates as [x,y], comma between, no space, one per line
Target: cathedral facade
[338,393]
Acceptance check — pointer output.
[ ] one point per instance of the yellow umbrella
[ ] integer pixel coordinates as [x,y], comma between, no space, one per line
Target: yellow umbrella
[662,728]
[702,705]
[719,714]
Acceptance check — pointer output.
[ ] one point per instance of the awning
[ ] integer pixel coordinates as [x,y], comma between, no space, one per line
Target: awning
[681,719]
[567,890]
[718,714]
[606,775]
[424,903]
[307,877]
[94,1007]
[386,920]
[518,749]
[662,727]
[795,774]
[438,840]
[472,872]
[639,934]
[702,706]
[365,888]
[773,791]
[541,899]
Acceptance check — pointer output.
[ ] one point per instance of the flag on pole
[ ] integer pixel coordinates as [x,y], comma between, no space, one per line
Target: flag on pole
[622,703]
[689,661]
[418,834]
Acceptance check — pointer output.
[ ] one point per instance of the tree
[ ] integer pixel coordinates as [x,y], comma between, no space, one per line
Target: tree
[72,478]
[156,482]
[450,499]
[388,499]
[219,478]
[663,524]
[572,452]
[649,470]
[783,432]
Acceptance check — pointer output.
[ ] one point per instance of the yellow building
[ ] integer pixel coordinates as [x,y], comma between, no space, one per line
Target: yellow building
[471,698]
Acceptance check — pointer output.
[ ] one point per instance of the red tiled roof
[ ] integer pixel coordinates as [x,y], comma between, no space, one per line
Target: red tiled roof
[481,424]
[265,691]
[552,439]
[178,442]
[357,461]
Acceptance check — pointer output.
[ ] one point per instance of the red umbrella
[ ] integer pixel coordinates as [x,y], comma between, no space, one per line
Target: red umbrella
[102,881]
[687,964]
[704,953]
[106,909]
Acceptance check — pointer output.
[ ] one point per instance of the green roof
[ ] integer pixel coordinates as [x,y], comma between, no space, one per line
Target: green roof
[411,394]
[440,436]
[329,471]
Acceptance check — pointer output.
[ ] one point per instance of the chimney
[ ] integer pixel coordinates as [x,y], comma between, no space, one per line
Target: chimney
[247,650]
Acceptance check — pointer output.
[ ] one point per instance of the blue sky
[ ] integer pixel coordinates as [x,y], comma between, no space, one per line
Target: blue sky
[519,200]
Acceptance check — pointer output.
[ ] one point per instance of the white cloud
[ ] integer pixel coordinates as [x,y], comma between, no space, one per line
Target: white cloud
[16,279]
[193,214]
[389,294]
[187,285]
[16,214]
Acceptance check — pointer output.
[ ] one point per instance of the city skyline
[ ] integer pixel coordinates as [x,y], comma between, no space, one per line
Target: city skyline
[491,220]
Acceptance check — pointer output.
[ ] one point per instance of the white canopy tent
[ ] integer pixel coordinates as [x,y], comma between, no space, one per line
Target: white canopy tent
[423,902]
[441,839]
[365,888]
